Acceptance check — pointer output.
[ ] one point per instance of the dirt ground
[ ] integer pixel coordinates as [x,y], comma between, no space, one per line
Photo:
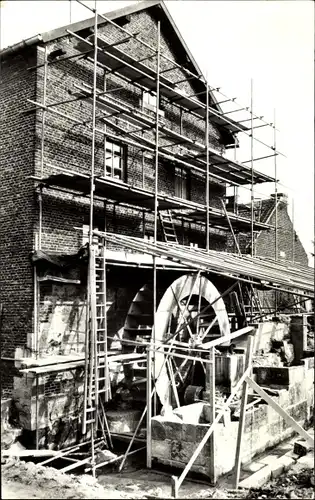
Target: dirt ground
[25,480]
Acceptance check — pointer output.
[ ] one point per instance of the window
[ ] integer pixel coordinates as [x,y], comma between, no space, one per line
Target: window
[181,183]
[115,160]
[149,101]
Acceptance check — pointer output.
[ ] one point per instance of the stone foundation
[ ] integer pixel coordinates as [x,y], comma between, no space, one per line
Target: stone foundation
[173,442]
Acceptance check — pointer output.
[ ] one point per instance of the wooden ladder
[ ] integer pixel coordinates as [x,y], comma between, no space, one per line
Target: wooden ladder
[97,381]
[168,227]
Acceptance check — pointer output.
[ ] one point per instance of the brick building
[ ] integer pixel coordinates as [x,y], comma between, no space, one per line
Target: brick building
[46,157]
[289,246]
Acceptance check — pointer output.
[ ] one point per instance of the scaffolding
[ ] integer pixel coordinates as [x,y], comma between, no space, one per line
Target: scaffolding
[148,133]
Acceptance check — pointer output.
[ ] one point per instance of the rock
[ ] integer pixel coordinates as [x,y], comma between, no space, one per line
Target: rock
[190,414]
[154,493]
[132,487]
[288,352]
[292,494]
[219,494]
[105,456]
[87,480]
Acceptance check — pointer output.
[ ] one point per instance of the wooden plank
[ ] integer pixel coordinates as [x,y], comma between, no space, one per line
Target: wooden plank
[31,453]
[173,383]
[289,420]
[77,464]
[248,366]
[226,338]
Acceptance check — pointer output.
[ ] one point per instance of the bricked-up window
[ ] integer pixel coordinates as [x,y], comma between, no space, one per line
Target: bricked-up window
[182,183]
[115,161]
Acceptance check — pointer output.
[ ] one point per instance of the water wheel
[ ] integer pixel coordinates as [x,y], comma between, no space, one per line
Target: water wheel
[189,312]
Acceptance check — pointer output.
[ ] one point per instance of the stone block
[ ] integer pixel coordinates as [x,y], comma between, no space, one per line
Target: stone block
[253,466]
[268,459]
[161,449]
[309,364]
[157,429]
[307,461]
[277,469]
[182,451]
[301,447]
[286,462]
[189,432]
[172,429]
[257,479]
[201,430]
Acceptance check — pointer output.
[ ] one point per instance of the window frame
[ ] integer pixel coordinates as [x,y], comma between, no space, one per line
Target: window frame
[151,106]
[111,168]
[182,183]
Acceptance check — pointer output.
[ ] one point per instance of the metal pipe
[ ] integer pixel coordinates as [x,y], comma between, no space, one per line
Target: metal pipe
[92,186]
[158,53]
[40,218]
[252,169]
[200,105]
[207,175]
[43,113]
[276,203]
[35,314]
[293,232]
[276,187]
[37,415]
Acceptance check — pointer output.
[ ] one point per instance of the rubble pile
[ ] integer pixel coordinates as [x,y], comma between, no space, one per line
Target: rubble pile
[292,485]
[51,482]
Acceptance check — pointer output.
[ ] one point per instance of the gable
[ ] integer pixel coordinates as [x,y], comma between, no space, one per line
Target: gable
[124,17]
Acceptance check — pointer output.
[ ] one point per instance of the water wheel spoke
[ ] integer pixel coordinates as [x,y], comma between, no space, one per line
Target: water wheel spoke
[176,372]
[203,366]
[182,313]
[199,307]
[215,319]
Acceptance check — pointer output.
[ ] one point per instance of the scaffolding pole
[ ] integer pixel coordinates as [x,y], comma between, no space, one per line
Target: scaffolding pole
[276,186]
[293,232]
[276,200]
[156,185]
[207,167]
[252,169]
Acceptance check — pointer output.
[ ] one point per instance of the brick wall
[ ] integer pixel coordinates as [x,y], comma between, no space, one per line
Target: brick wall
[17,208]
[289,245]
[287,251]
[68,144]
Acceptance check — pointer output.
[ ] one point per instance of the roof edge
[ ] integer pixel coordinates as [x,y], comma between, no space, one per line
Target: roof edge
[23,44]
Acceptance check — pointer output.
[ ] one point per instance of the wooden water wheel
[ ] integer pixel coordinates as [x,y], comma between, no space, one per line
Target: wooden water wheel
[189,313]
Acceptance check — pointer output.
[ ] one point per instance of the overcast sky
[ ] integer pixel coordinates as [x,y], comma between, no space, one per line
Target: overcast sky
[270,42]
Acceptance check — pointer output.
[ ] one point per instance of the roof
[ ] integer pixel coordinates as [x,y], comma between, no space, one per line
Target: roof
[262,272]
[263,209]
[178,43]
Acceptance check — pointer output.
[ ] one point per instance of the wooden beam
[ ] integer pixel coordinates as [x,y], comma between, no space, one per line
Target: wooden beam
[248,366]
